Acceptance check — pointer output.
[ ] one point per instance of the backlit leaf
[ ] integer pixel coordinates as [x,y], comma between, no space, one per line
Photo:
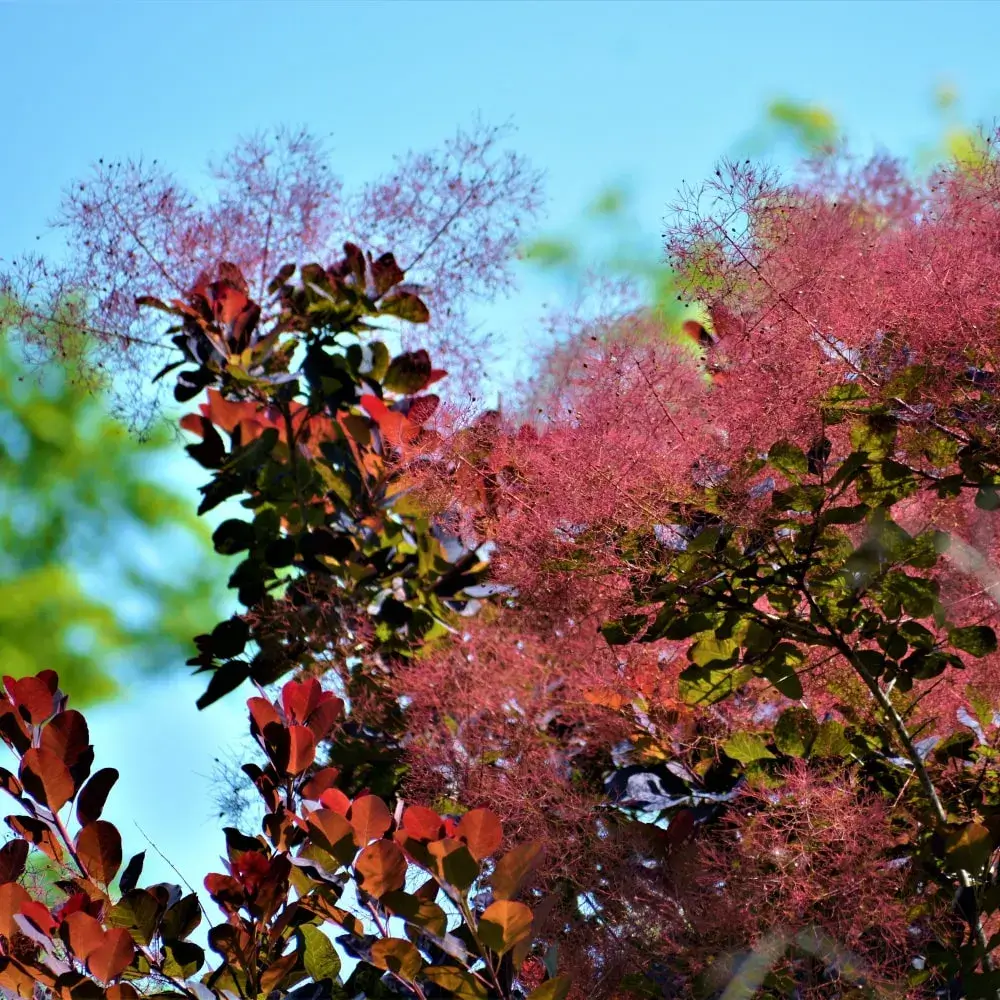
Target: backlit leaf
[969,847]
[746,748]
[513,869]
[503,924]
[110,959]
[976,640]
[480,831]
[370,818]
[453,863]
[399,956]
[462,985]
[320,957]
[99,847]
[46,778]
[381,868]
[552,989]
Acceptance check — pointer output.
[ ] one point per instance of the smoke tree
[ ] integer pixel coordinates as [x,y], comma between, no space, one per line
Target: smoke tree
[710,621]
[366,583]
[744,656]
[452,215]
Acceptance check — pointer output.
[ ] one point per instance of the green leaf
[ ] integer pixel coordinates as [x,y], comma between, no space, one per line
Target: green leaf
[976,640]
[845,515]
[714,652]
[463,985]
[553,989]
[319,956]
[706,539]
[138,912]
[845,394]
[182,958]
[831,741]
[746,748]
[685,626]
[789,459]
[795,732]
[623,630]
[379,361]
[801,499]
[958,746]
[969,847]
[707,685]
[181,919]
[987,498]
[405,305]
[779,669]
[875,435]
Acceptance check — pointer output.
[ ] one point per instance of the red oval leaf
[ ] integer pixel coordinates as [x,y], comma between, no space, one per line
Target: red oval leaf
[46,778]
[481,832]
[336,800]
[381,868]
[422,823]
[82,934]
[13,856]
[99,847]
[67,736]
[301,749]
[370,818]
[112,957]
[33,697]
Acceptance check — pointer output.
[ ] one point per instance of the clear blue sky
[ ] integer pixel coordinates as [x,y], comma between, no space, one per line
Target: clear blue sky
[643,94]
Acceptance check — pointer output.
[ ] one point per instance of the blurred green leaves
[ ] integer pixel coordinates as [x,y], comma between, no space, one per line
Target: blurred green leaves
[101,564]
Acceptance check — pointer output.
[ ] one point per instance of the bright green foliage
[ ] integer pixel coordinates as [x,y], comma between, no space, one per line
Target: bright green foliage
[77,490]
[827,571]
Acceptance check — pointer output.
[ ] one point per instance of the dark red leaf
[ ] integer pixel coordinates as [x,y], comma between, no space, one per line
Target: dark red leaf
[301,749]
[319,782]
[13,728]
[422,823]
[13,856]
[299,698]
[325,716]
[386,273]
[67,735]
[94,795]
[422,409]
[33,697]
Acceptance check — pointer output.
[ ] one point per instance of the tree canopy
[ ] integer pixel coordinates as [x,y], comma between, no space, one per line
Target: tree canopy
[679,681]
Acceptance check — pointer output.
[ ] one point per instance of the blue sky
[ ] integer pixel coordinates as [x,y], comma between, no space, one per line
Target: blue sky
[635,94]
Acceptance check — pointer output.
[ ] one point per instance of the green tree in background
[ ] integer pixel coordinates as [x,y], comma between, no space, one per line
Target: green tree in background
[86,516]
